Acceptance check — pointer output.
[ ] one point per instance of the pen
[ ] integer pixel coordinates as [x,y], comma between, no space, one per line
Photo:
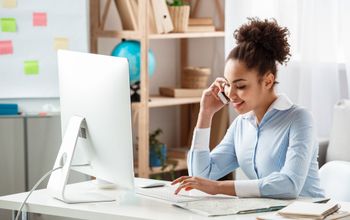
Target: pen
[270,209]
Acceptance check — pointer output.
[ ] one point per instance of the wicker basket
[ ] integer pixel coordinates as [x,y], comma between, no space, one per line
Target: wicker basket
[180,16]
[195,77]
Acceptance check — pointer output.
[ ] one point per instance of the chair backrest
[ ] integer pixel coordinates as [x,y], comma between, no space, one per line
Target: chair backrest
[339,142]
[335,180]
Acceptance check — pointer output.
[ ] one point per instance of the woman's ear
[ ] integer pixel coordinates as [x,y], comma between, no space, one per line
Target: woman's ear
[269,80]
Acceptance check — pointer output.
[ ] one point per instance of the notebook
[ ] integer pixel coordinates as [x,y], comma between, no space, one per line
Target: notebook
[341,215]
[299,209]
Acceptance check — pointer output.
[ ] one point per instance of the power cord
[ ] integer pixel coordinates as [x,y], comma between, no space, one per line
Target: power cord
[37,184]
[34,188]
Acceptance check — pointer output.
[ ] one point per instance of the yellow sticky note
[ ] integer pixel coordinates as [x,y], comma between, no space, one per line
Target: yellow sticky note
[31,67]
[9,3]
[8,25]
[60,43]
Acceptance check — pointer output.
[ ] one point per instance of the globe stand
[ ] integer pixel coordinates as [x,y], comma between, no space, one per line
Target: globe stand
[135,97]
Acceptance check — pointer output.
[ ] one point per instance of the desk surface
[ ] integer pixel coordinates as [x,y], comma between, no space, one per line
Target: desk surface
[128,206]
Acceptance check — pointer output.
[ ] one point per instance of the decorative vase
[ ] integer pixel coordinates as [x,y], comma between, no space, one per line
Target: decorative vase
[180,16]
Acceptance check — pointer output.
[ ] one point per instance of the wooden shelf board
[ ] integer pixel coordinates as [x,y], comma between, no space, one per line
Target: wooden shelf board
[187,35]
[119,34]
[136,35]
[181,165]
[162,101]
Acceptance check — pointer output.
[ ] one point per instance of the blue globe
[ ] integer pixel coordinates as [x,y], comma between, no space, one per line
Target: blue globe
[131,50]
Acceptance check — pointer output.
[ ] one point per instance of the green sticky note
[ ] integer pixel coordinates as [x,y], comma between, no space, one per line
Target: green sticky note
[8,25]
[31,67]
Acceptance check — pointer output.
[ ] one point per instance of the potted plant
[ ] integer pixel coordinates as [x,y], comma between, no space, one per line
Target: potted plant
[157,154]
[179,11]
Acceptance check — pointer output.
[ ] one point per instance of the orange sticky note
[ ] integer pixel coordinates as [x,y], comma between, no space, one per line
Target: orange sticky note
[9,3]
[6,47]
[60,43]
[39,19]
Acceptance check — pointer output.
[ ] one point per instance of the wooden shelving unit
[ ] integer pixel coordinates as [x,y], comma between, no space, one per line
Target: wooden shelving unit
[141,109]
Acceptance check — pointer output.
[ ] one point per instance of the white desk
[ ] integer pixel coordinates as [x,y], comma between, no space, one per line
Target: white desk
[131,207]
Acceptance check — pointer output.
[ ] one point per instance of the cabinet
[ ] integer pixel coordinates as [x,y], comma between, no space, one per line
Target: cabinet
[29,146]
[141,109]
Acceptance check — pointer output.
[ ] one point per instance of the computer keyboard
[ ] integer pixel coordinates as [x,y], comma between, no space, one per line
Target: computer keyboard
[167,193]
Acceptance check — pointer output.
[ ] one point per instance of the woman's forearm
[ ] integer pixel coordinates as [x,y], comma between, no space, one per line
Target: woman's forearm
[204,120]
[227,187]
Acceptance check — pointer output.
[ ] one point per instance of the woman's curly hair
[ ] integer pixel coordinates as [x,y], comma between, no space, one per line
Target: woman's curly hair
[261,44]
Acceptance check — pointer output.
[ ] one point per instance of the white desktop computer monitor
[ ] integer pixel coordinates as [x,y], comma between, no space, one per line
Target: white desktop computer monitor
[96,123]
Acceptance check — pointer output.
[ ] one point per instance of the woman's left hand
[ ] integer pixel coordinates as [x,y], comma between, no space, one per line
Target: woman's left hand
[191,182]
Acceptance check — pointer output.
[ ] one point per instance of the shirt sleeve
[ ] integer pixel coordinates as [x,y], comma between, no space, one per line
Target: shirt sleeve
[215,164]
[289,182]
[247,188]
[200,140]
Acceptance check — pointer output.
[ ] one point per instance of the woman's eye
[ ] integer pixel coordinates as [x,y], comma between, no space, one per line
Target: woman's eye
[240,87]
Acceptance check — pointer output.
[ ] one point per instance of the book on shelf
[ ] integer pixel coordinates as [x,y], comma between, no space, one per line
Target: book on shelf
[159,17]
[127,14]
[200,21]
[200,28]
[180,92]
[152,22]
[163,12]
[157,20]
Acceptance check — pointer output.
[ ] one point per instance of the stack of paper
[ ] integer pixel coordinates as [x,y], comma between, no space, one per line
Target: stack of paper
[231,206]
[309,210]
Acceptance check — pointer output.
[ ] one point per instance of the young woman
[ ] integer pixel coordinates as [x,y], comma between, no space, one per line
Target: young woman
[272,140]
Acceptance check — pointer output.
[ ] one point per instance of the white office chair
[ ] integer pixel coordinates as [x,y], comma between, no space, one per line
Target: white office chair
[339,142]
[338,145]
[335,180]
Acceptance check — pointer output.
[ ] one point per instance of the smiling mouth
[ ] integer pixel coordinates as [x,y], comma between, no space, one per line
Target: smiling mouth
[237,104]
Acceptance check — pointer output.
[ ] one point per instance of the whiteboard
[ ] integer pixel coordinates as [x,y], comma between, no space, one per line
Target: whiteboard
[66,19]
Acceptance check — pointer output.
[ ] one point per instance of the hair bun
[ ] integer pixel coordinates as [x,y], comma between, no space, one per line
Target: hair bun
[266,35]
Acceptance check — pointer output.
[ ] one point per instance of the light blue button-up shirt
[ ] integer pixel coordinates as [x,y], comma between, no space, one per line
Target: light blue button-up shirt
[279,155]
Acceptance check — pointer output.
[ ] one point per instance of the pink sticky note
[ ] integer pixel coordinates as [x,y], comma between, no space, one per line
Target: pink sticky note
[39,19]
[6,47]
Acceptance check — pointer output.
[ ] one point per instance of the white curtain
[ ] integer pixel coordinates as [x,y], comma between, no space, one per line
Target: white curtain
[317,76]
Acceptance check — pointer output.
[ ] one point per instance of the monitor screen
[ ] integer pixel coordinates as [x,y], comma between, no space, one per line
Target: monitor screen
[95,88]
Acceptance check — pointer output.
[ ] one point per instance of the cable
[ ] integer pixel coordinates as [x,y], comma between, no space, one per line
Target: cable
[38,183]
[34,187]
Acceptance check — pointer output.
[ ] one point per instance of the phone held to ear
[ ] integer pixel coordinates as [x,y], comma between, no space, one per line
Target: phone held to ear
[224,99]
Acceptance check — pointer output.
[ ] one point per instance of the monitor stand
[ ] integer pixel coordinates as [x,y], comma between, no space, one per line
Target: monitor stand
[59,178]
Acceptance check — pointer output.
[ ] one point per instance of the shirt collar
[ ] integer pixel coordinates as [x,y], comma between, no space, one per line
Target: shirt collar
[281,103]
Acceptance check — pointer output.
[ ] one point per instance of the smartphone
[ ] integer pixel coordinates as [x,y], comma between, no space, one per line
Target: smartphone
[224,99]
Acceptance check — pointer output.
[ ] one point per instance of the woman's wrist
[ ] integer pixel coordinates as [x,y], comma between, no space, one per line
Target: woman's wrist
[226,187]
[204,120]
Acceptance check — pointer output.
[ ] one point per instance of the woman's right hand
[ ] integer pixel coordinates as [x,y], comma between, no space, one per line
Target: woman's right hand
[210,102]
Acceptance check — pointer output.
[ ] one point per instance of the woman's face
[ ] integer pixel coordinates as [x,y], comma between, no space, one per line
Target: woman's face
[243,87]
